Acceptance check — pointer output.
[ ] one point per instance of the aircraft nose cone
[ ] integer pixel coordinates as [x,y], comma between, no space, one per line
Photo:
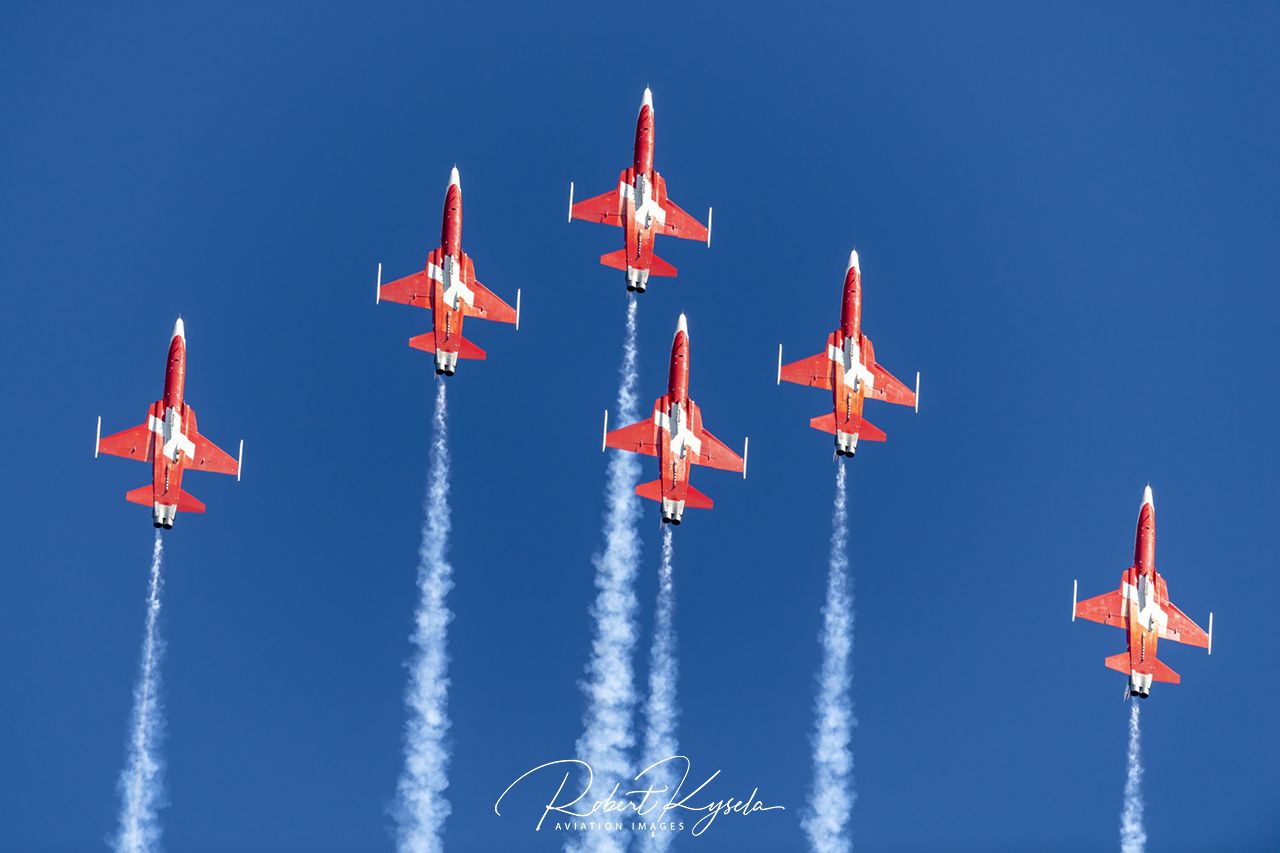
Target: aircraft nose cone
[454,181]
[853,261]
[1146,497]
[682,325]
[647,100]
[179,331]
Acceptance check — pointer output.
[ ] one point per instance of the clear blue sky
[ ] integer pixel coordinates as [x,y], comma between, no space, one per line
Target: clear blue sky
[1068,220]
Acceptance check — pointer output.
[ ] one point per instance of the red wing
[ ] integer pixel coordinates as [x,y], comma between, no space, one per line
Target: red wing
[411,290]
[132,443]
[605,208]
[714,454]
[681,224]
[888,388]
[487,305]
[208,456]
[1182,630]
[1109,609]
[814,371]
[640,437]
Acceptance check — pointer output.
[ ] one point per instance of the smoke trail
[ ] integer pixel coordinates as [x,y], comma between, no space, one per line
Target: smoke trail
[661,711]
[832,797]
[1133,837]
[421,808]
[141,782]
[607,735]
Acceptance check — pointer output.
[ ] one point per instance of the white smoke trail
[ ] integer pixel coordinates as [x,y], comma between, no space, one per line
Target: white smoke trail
[421,808]
[1133,837]
[661,711]
[832,797]
[142,780]
[609,687]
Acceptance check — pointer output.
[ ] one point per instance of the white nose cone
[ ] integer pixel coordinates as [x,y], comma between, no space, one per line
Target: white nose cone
[853,261]
[1146,497]
[647,100]
[682,325]
[454,181]
[179,331]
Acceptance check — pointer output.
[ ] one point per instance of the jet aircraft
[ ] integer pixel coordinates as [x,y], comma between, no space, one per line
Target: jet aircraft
[1142,608]
[848,369]
[640,206]
[448,288]
[170,441]
[676,436]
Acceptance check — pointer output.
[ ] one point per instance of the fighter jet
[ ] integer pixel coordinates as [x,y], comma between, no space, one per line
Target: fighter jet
[448,287]
[170,441]
[1141,606]
[641,208]
[675,435]
[848,369]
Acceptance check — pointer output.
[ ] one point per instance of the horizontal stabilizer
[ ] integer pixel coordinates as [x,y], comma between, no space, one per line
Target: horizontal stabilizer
[1120,663]
[864,429]
[426,343]
[867,431]
[187,503]
[660,267]
[697,500]
[826,423]
[140,496]
[617,260]
[651,490]
[1163,673]
[466,349]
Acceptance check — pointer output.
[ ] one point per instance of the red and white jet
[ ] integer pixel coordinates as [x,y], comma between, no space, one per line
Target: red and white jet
[448,288]
[1141,606]
[641,208]
[849,370]
[675,435]
[170,441]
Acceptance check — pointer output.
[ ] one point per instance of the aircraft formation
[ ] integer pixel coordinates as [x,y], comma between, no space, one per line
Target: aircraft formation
[674,434]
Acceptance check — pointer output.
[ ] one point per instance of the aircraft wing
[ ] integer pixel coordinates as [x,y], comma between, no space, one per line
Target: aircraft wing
[640,437]
[605,208]
[887,387]
[411,290]
[1182,630]
[1109,609]
[208,456]
[681,224]
[714,454]
[132,443]
[487,306]
[814,371]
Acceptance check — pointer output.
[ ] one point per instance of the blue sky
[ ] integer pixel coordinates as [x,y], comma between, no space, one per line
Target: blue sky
[1067,217]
